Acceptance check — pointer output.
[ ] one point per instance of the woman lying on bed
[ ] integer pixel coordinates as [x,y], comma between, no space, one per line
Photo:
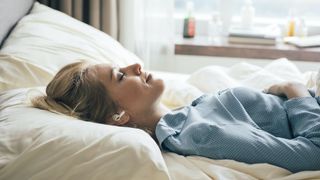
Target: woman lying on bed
[280,126]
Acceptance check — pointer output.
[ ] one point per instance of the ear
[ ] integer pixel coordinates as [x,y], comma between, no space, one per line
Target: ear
[125,118]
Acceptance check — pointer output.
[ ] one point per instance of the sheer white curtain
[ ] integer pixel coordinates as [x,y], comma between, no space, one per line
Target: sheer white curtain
[147,29]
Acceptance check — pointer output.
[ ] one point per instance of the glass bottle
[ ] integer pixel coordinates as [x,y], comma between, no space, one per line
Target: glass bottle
[189,22]
[214,27]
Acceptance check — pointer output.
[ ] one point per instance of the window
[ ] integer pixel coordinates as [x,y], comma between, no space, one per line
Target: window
[265,10]
[271,16]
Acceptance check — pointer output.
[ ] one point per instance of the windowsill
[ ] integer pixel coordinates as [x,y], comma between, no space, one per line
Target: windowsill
[202,46]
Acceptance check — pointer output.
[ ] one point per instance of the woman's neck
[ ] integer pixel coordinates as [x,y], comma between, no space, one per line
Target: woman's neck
[154,116]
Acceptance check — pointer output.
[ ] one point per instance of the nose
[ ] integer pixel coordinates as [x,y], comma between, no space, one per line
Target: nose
[135,68]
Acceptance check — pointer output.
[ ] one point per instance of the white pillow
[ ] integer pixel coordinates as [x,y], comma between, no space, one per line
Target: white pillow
[51,39]
[37,144]
[17,73]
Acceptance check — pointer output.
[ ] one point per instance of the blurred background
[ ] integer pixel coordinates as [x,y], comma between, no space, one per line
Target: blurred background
[184,35]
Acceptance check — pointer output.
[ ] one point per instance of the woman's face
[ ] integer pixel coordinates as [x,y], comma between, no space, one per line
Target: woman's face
[133,89]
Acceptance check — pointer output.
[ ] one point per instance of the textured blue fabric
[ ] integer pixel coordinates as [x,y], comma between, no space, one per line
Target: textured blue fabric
[248,126]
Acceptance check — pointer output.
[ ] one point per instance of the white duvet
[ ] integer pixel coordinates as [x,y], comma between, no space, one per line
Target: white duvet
[36,144]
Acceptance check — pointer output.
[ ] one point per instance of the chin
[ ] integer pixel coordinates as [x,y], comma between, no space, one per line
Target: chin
[161,84]
[159,87]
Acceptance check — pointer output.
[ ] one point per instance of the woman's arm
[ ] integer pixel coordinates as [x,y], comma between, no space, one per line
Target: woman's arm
[289,90]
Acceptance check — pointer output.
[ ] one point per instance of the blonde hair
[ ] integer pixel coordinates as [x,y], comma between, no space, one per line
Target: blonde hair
[74,92]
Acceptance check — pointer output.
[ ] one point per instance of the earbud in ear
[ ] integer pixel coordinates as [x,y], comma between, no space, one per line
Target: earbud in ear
[117,117]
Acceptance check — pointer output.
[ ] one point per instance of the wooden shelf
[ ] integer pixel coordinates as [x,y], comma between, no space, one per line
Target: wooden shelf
[202,46]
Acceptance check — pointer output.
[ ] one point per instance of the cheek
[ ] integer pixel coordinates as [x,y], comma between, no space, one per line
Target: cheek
[131,96]
[136,95]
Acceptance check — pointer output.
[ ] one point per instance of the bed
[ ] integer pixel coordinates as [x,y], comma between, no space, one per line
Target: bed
[37,41]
